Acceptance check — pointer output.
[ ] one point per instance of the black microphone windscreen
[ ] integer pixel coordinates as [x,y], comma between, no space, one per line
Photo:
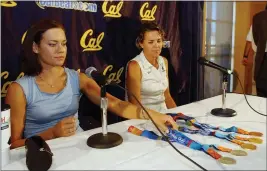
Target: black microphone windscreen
[38,154]
[202,60]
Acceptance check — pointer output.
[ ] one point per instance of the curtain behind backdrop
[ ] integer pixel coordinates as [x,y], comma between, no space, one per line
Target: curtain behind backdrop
[105,39]
[191,73]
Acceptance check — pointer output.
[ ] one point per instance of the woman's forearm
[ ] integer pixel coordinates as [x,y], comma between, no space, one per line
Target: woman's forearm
[170,102]
[46,135]
[125,110]
[130,111]
[17,143]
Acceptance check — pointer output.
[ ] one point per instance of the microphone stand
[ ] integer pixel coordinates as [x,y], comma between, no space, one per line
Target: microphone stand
[105,139]
[224,112]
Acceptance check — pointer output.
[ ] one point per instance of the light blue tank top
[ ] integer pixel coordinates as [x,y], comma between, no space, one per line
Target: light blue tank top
[45,110]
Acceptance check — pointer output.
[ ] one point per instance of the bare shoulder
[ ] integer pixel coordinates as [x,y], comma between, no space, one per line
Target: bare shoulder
[15,93]
[82,79]
[134,70]
[14,88]
[133,65]
[165,59]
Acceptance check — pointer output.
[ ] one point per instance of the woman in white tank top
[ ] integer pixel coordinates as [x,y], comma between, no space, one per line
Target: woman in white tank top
[147,73]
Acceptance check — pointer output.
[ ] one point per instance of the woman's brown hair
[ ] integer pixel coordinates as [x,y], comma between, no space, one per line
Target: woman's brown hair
[145,27]
[31,65]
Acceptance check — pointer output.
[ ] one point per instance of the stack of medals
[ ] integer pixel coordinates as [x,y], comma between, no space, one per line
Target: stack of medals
[204,129]
[176,136]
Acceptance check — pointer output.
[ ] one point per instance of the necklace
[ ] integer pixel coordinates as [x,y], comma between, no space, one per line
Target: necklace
[52,86]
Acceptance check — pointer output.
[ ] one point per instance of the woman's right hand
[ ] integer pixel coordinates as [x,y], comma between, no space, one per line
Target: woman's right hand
[163,121]
[64,128]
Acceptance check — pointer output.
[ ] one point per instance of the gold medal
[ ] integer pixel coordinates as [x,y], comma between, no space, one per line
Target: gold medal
[227,160]
[258,134]
[248,146]
[188,123]
[239,153]
[159,138]
[255,140]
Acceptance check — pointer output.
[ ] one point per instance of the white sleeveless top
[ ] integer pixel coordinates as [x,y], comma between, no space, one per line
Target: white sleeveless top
[154,82]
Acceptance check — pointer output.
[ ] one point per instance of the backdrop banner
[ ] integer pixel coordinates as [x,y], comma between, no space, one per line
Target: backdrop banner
[100,34]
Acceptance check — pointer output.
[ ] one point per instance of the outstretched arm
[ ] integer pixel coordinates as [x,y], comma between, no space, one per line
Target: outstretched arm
[122,108]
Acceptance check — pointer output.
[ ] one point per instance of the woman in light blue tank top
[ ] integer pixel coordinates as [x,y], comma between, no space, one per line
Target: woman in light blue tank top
[45,100]
[43,114]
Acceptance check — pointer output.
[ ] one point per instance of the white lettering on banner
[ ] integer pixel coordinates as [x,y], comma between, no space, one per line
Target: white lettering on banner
[64,4]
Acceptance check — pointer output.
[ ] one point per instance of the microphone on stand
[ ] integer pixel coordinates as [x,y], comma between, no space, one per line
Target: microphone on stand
[105,139]
[223,111]
[101,79]
[206,62]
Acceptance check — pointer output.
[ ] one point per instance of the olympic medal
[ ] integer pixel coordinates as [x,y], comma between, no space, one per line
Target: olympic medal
[159,138]
[255,140]
[188,123]
[248,146]
[227,160]
[239,153]
[259,134]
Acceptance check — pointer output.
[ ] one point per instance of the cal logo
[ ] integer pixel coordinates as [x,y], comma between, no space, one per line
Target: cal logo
[112,10]
[4,3]
[93,44]
[114,76]
[147,14]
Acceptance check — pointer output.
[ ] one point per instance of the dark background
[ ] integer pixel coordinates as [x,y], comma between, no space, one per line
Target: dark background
[181,21]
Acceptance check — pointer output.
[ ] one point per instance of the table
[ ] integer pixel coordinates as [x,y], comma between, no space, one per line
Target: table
[72,153]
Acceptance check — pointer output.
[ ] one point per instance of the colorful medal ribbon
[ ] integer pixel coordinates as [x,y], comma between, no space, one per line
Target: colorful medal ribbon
[192,121]
[176,136]
[229,137]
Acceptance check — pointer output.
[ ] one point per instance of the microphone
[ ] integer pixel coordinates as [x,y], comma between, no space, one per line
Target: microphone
[206,62]
[223,111]
[38,154]
[105,139]
[101,79]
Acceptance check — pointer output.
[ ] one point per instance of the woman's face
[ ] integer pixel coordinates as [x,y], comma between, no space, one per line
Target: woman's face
[52,49]
[152,43]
